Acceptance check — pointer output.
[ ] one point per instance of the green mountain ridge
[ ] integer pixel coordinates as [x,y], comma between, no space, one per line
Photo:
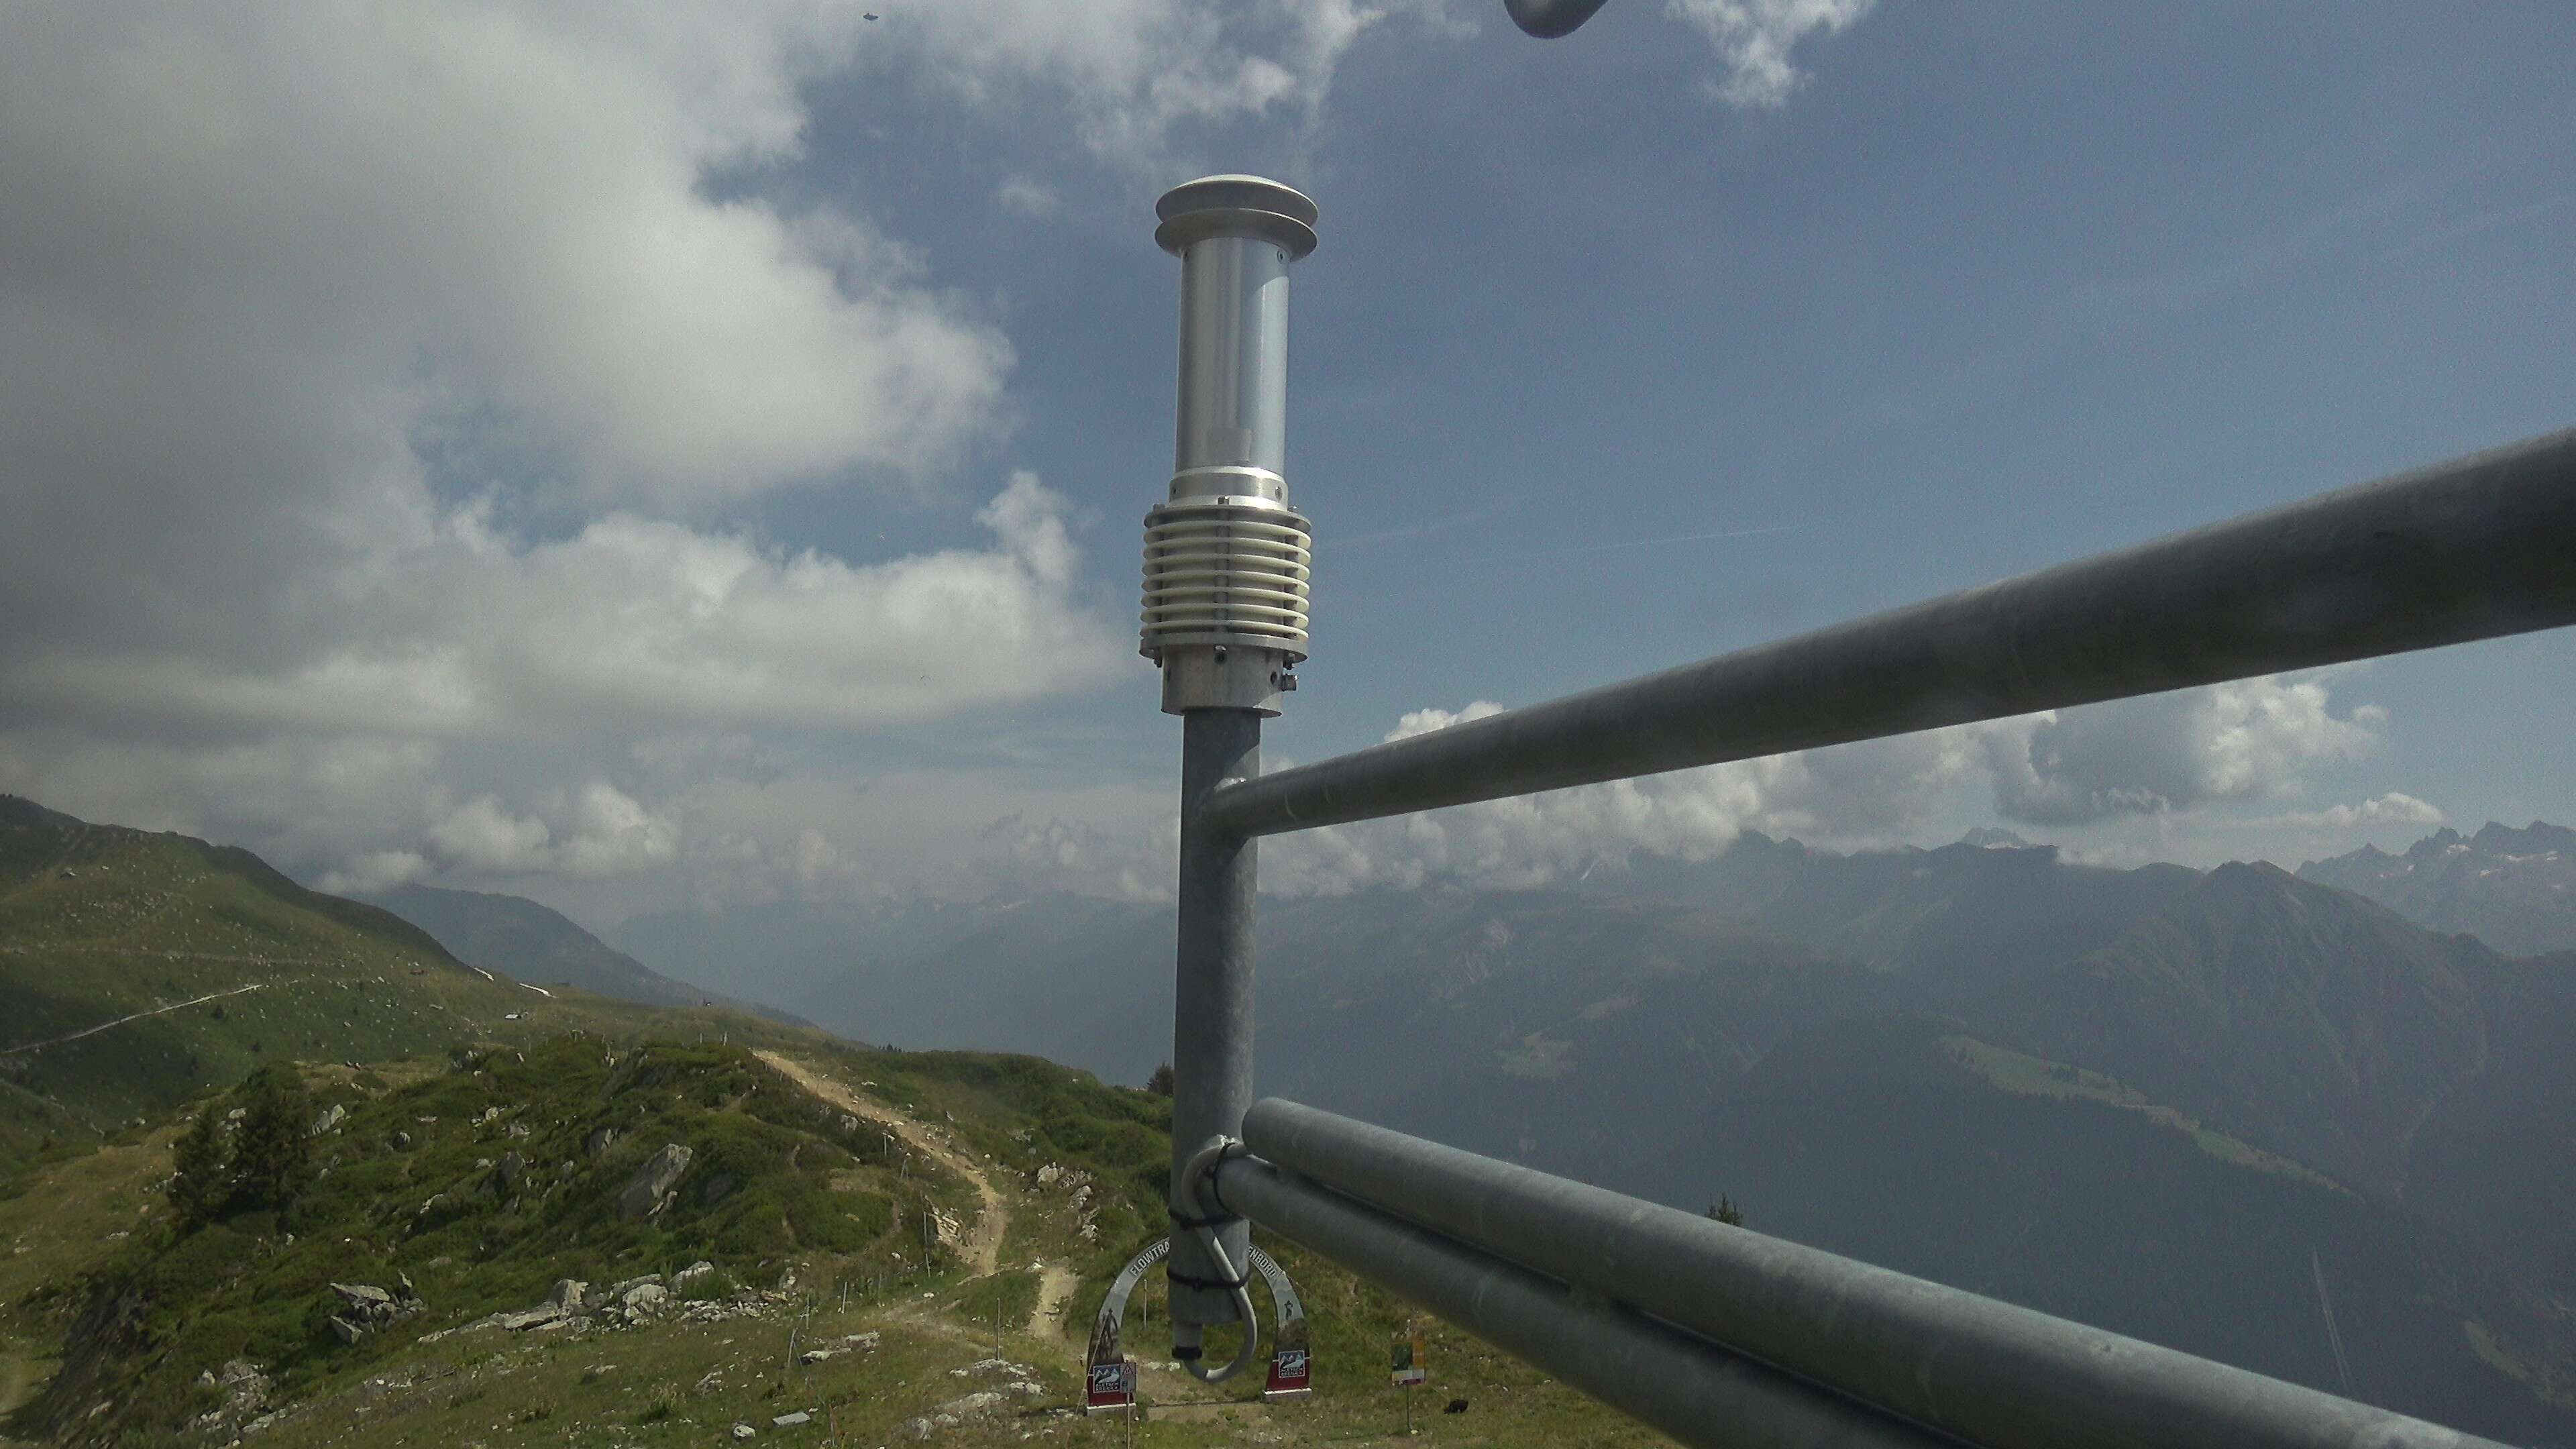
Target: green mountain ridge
[458,1171]
[2360,1089]
[2166,1102]
[522,938]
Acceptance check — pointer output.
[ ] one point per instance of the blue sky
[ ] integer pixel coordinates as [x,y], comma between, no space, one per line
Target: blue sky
[740,324]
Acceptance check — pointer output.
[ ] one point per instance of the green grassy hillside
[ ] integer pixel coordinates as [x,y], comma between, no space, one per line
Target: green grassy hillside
[813,1225]
[139,970]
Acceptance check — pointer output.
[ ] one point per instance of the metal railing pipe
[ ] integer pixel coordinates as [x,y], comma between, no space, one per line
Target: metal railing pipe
[1550,19]
[1985,1371]
[2476,548]
[1693,1390]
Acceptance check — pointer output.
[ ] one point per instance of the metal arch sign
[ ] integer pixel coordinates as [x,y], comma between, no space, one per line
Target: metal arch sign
[1109,1376]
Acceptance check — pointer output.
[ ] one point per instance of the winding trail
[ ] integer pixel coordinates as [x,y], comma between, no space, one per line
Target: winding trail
[983,1245]
[137,1016]
[1056,1283]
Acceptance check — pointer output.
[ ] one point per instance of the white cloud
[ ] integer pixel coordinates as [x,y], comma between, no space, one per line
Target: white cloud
[1855,794]
[1130,73]
[279,282]
[375,871]
[2172,751]
[1755,37]
[480,835]
[1028,197]
[2393,808]
[2168,754]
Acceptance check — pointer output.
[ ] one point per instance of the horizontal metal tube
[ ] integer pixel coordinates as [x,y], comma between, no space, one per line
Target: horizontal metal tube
[2477,548]
[1550,19]
[1988,1372]
[1695,1391]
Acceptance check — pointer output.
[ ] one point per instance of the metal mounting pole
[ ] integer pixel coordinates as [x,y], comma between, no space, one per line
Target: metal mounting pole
[1212,991]
[1225,619]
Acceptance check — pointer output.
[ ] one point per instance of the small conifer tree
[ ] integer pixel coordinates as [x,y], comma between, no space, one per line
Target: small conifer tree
[1160,1083]
[199,1185]
[272,1162]
[1725,1211]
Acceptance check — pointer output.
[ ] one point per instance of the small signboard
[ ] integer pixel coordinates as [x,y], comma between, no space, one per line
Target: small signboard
[1290,1373]
[1113,1386]
[1411,1356]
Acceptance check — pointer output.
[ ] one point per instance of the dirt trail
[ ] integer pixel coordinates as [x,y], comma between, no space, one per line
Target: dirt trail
[983,1245]
[1056,1283]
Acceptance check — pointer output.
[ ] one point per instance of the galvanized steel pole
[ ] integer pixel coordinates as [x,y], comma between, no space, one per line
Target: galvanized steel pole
[2476,548]
[1691,1389]
[1986,1371]
[1225,619]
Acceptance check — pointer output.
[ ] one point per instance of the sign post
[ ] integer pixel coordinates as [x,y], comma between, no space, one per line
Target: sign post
[1411,1358]
[1111,1386]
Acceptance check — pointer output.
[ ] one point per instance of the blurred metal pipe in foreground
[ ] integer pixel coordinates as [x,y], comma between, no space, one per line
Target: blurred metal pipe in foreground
[2475,548]
[1548,19]
[1767,1322]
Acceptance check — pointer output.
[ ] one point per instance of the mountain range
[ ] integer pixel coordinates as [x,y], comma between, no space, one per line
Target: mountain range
[2198,1106]
[2249,1115]
[2513,889]
[519,937]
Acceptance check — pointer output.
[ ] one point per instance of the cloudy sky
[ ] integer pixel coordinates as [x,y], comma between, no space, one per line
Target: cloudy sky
[648,452]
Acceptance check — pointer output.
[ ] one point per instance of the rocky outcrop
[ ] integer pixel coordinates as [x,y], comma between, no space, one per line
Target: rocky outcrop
[649,1190]
[364,1308]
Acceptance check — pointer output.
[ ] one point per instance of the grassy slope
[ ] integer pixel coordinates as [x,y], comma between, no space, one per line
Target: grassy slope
[101,922]
[239,1290]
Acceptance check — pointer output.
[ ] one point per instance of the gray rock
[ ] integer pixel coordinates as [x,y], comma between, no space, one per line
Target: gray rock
[346,1331]
[330,1119]
[976,1403]
[402,1141]
[915,1429]
[527,1318]
[364,1297]
[790,1421]
[692,1273]
[567,1294]
[509,1170]
[744,1431]
[598,1142]
[646,1296]
[647,1192]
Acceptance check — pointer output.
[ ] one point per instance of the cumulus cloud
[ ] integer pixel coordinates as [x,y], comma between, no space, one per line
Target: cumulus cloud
[1020,854]
[1754,39]
[1862,793]
[1129,73]
[2172,751]
[375,384]
[2166,754]
[2393,808]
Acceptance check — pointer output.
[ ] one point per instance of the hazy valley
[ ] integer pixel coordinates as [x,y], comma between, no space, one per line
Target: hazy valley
[2207,1108]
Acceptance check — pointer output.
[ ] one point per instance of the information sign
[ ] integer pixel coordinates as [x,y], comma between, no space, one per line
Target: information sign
[1412,1356]
[1112,1386]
